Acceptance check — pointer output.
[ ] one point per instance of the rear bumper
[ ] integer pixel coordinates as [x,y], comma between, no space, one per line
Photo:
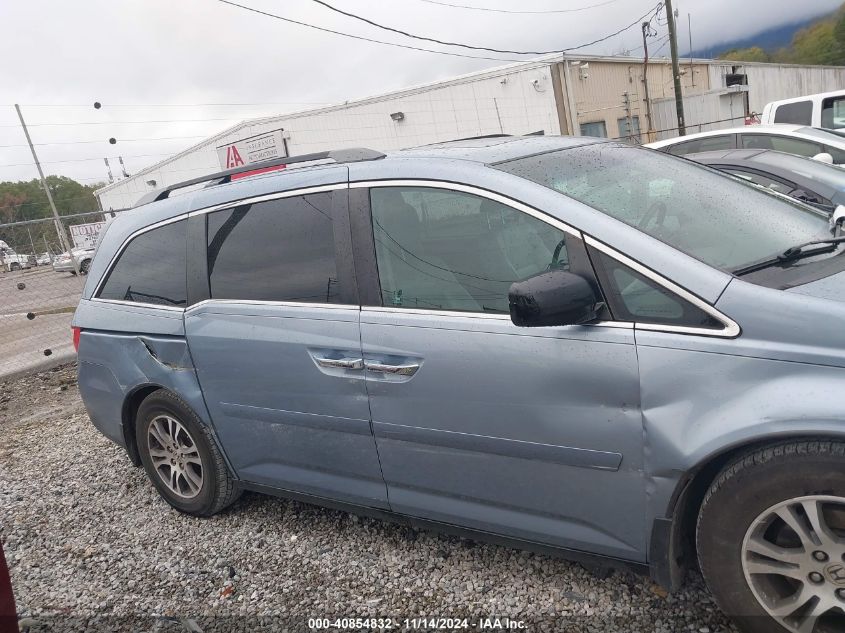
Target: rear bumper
[103,399]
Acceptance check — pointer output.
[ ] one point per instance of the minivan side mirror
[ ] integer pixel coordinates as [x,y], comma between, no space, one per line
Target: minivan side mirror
[555,297]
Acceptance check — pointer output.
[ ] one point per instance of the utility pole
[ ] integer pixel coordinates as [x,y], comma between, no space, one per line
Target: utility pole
[60,230]
[676,70]
[650,129]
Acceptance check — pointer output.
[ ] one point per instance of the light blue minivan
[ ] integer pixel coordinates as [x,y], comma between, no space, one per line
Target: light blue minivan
[564,344]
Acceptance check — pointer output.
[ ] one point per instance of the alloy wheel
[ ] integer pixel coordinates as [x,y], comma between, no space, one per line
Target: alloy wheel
[793,558]
[175,456]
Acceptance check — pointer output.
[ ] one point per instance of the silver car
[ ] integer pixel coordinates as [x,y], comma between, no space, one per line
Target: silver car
[565,344]
[83,255]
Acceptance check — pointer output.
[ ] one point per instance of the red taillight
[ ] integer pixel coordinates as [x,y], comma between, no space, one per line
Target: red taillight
[76,332]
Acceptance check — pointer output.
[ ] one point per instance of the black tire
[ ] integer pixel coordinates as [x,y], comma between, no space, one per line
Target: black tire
[14,266]
[742,492]
[218,490]
[84,267]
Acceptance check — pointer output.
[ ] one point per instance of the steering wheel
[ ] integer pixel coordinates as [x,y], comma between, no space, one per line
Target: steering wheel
[657,212]
[557,263]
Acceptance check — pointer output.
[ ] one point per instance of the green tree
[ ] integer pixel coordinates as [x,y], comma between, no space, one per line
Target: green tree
[821,43]
[752,54]
[26,200]
[818,45]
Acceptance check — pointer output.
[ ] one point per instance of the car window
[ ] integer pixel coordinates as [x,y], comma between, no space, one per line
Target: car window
[759,179]
[636,298]
[837,154]
[787,144]
[279,250]
[447,250]
[833,113]
[799,113]
[704,144]
[152,268]
[724,223]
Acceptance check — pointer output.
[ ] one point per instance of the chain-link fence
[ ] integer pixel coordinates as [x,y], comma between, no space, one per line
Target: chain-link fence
[40,287]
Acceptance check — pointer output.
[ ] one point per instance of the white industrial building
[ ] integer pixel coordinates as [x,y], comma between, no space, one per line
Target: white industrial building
[597,96]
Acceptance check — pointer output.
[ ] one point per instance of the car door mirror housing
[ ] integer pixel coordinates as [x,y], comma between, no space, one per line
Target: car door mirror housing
[555,297]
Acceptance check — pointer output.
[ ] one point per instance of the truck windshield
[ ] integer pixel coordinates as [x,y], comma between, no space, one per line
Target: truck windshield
[710,216]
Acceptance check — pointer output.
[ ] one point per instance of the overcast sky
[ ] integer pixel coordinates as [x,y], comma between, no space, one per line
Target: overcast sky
[135,55]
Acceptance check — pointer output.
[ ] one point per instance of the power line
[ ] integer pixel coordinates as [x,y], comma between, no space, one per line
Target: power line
[121,122]
[361,37]
[164,105]
[479,48]
[83,160]
[123,140]
[487,9]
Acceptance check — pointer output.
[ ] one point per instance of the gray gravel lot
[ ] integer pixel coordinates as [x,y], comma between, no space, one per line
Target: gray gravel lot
[90,544]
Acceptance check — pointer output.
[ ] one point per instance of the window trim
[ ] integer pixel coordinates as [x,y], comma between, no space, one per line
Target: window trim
[373,276]
[95,295]
[731,328]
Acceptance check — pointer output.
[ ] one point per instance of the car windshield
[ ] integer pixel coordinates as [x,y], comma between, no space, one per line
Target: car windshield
[823,135]
[697,210]
[829,175]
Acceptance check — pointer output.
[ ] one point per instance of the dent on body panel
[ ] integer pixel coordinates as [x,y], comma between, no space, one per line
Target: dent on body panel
[140,360]
[697,404]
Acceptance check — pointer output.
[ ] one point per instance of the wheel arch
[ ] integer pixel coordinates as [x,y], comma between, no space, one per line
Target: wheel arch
[672,547]
[131,404]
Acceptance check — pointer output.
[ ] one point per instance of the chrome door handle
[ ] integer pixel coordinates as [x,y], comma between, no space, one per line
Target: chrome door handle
[341,363]
[399,370]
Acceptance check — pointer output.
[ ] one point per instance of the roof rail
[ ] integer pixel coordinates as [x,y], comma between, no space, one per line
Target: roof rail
[352,155]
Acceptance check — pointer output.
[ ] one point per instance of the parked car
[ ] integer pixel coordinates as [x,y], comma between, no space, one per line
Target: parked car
[83,257]
[11,261]
[802,178]
[44,259]
[792,139]
[824,109]
[565,344]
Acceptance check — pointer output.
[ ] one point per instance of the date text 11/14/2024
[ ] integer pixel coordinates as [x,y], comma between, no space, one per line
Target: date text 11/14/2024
[417,623]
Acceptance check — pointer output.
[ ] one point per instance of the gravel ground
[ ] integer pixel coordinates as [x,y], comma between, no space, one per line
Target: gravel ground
[92,547]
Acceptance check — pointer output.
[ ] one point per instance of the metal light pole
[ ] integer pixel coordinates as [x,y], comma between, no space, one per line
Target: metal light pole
[60,230]
[676,70]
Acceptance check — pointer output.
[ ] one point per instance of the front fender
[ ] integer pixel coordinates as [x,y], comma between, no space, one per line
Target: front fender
[697,405]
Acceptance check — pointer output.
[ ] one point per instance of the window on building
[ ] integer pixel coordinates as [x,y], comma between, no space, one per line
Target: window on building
[799,113]
[152,268]
[448,250]
[632,131]
[636,298]
[596,128]
[280,250]
[833,113]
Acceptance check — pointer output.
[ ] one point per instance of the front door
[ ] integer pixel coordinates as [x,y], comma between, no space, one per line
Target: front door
[531,432]
[277,347]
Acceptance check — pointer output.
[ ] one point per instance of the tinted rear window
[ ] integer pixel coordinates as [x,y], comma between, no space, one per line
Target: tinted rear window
[280,250]
[799,113]
[152,268]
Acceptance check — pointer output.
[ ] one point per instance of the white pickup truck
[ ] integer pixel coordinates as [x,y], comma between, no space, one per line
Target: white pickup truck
[10,260]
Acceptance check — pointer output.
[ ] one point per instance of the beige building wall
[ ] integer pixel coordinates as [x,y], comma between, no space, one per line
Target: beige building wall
[597,90]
